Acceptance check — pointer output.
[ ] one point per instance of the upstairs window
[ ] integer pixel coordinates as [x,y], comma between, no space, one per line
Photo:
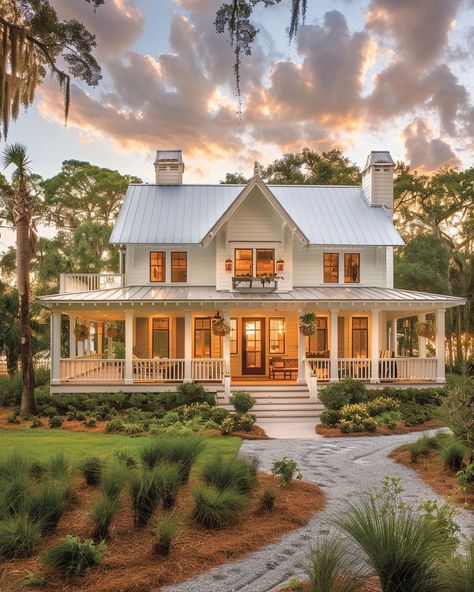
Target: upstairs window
[157,266]
[265,262]
[179,267]
[331,268]
[351,268]
[243,262]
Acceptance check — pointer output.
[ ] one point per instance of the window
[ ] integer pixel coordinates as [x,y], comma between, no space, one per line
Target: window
[318,343]
[277,336]
[234,347]
[360,337]
[265,262]
[179,267]
[158,266]
[331,268]
[351,268]
[243,262]
[160,341]
[202,337]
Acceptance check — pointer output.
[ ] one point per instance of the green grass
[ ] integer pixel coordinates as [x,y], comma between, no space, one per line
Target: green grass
[77,446]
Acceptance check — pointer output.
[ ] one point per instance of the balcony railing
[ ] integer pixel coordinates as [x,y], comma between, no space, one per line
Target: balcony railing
[264,284]
[85,282]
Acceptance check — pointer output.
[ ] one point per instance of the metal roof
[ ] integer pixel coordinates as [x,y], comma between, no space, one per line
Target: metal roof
[208,293]
[326,215]
[379,157]
[169,155]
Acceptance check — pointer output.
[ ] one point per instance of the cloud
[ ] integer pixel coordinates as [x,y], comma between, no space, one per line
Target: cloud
[424,152]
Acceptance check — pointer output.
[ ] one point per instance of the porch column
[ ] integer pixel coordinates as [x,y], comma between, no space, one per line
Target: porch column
[72,337]
[375,345]
[188,345]
[301,353]
[87,342]
[440,345]
[393,337]
[226,342]
[55,347]
[422,340]
[128,375]
[333,357]
[100,332]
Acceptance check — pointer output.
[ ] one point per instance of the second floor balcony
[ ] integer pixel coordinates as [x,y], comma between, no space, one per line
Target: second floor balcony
[85,282]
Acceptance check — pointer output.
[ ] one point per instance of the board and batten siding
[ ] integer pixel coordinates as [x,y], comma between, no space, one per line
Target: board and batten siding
[201,264]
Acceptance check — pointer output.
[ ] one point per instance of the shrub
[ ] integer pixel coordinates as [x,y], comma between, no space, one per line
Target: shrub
[246,421]
[41,377]
[466,476]
[389,419]
[112,481]
[80,415]
[414,414]
[191,392]
[90,423]
[236,473]
[381,405]
[59,466]
[228,426]
[242,401]
[458,574]
[338,394]
[287,468]
[369,423]
[202,410]
[13,419]
[73,556]
[34,581]
[125,458]
[46,506]
[132,429]
[421,447]
[116,424]
[167,530]
[330,417]
[36,422]
[101,517]
[219,414]
[453,455]
[217,509]
[55,422]
[91,468]
[170,418]
[169,477]
[145,491]
[18,537]
[182,450]
[353,411]
[267,500]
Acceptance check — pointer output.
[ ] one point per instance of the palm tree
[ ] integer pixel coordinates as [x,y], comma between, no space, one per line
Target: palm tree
[10,329]
[22,208]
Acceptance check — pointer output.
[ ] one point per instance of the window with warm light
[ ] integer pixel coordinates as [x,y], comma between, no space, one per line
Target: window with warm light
[234,348]
[158,266]
[331,268]
[277,336]
[360,337]
[179,267]
[160,339]
[265,262]
[243,262]
[351,268]
[202,337]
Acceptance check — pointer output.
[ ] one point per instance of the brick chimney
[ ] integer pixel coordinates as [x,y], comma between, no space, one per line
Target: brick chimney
[377,180]
[169,167]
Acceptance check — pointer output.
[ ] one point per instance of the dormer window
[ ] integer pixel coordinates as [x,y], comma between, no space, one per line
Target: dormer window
[351,268]
[179,267]
[157,266]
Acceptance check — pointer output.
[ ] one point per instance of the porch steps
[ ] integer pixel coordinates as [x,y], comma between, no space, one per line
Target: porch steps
[280,405]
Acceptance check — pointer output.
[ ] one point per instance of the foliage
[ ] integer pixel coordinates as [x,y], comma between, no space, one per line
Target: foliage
[215,509]
[307,323]
[414,414]
[36,422]
[287,469]
[92,468]
[466,476]
[458,573]
[34,581]
[19,536]
[245,421]
[338,394]
[169,483]
[46,506]
[242,401]
[228,426]
[460,405]
[145,494]
[191,392]
[55,422]
[101,516]
[236,473]
[330,417]
[421,447]
[167,530]
[266,501]
[73,556]
[453,455]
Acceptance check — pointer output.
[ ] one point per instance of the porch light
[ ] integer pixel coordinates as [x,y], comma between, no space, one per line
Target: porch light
[228,264]
[280,265]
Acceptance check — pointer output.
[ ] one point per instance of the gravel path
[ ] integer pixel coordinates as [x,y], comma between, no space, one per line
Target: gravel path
[342,467]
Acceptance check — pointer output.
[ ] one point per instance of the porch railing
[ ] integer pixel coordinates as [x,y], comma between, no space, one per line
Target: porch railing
[158,370]
[91,370]
[320,368]
[357,368]
[311,379]
[85,282]
[407,369]
[208,369]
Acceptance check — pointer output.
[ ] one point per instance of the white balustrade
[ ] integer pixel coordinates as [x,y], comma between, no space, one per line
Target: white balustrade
[356,368]
[208,369]
[408,369]
[85,282]
[320,368]
[311,379]
[163,370]
[91,370]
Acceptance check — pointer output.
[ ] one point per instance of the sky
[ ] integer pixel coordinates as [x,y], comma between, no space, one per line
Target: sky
[361,75]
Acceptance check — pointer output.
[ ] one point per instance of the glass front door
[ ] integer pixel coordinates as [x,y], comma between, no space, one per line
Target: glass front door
[253,346]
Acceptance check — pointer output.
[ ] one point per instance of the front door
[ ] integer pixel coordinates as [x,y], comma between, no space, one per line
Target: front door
[253,346]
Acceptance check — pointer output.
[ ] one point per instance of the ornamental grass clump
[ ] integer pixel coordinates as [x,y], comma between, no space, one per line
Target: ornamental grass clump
[182,450]
[224,473]
[266,502]
[458,574]
[169,483]
[101,517]
[216,509]
[421,447]
[19,536]
[73,556]
[113,480]
[168,529]
[46,505]
[453,455]
[13,495]
[145,495]
[91,468]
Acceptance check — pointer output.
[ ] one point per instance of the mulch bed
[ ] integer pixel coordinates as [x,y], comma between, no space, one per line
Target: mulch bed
[370,586]
[130,566]
[432,471]
[401,428]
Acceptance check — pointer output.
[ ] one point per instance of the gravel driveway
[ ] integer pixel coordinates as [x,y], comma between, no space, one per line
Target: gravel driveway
[342,467]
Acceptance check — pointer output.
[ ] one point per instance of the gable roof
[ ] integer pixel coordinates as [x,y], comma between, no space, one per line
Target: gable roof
[324,215]
[379,157]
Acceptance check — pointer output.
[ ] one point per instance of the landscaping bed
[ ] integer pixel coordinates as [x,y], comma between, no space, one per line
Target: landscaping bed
[129,558]
[353,410]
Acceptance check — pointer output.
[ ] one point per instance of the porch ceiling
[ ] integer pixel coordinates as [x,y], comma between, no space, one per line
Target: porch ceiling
[331,297]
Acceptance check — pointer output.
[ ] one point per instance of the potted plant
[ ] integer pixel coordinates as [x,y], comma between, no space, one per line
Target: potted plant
[425,329]
[220,327]
[81,332]
[307,323]
[112,332]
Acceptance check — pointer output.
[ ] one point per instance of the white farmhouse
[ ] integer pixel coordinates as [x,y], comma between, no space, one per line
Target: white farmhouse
[258,257]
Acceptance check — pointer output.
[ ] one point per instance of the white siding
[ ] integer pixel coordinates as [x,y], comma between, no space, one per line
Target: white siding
[254,220]
[377,185]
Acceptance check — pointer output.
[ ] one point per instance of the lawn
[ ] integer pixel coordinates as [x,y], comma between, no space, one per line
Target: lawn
[42,444]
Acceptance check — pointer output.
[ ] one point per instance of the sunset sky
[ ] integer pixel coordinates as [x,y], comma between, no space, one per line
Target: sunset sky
[361,75]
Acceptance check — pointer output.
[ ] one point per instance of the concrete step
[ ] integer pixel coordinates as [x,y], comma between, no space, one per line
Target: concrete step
[265,388]
[292,414]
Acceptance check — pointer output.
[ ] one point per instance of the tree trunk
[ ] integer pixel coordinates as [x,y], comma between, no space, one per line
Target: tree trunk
[23,259]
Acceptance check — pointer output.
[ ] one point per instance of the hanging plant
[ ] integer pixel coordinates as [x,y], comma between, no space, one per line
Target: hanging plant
[81,332]
[220,327]
[112,332]
[425,329]
[307,323]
